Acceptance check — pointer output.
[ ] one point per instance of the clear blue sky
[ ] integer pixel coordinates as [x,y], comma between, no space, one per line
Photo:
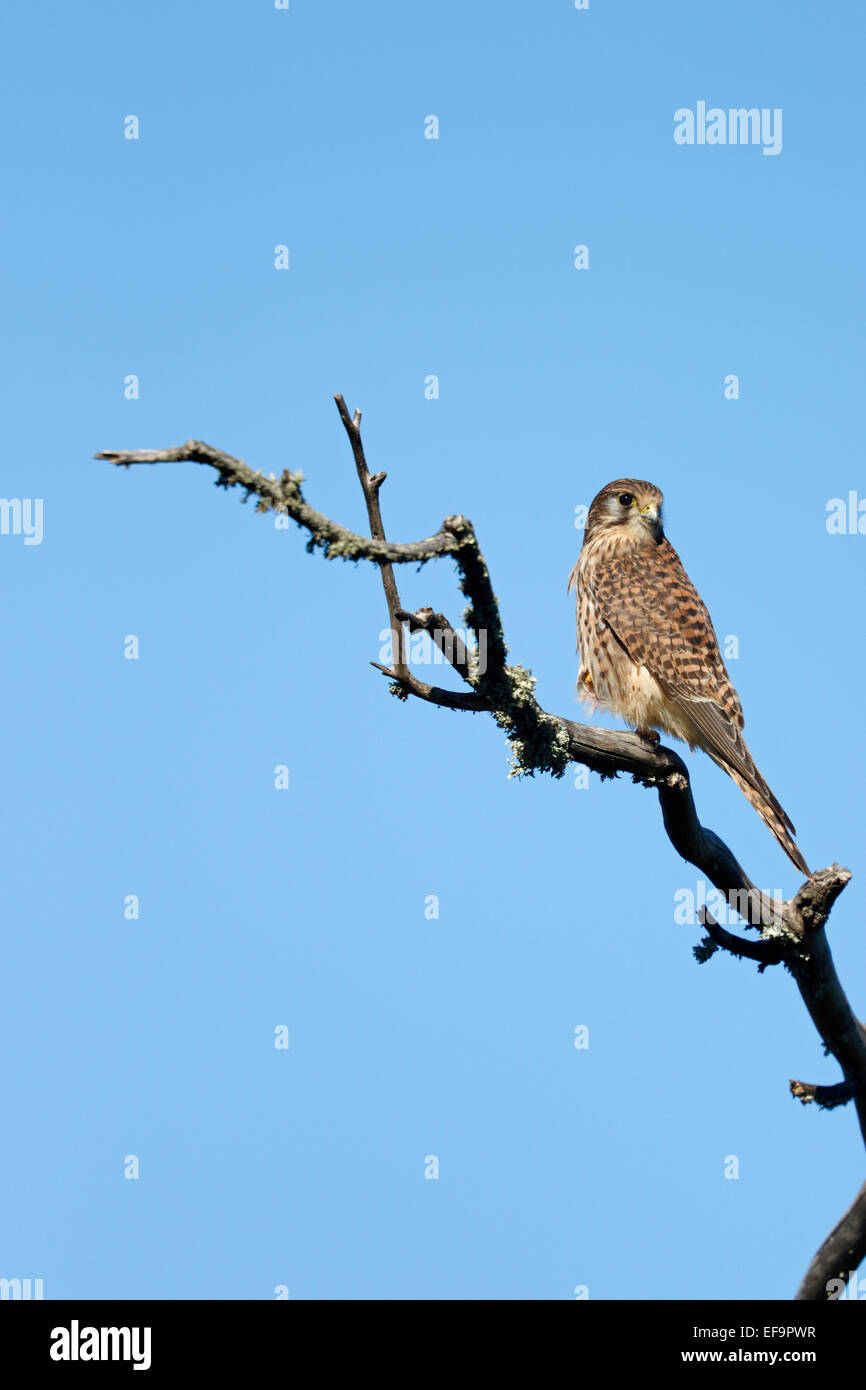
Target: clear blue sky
[409,257]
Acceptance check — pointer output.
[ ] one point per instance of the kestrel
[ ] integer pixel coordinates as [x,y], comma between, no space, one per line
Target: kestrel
[648,651]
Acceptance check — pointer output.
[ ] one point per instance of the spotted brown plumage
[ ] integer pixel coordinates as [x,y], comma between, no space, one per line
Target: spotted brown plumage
[648,651]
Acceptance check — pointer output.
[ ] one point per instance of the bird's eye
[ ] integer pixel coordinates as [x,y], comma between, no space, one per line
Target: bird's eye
[625,499]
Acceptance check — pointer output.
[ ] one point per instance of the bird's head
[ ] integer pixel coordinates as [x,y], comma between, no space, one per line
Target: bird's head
[628,509]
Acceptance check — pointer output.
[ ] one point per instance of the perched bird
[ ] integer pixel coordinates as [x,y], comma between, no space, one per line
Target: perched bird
[648,651]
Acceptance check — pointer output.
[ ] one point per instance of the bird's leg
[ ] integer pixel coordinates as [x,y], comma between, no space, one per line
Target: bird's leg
[586,689]
[649,736]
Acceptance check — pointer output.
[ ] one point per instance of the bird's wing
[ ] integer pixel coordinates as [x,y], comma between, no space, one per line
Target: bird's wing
[659,619]
[658,615]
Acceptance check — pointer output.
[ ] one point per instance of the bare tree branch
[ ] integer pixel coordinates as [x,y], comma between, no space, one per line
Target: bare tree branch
[811,964]
[839,1255]
[433,694]
[766,952]
[283,494]
[443,636]
[792,933]
[370,486]
[825,1097]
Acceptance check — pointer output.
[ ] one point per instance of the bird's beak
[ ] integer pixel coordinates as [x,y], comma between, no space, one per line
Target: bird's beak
[650,515]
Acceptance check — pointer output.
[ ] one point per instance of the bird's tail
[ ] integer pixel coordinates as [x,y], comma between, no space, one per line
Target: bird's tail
[755,789]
